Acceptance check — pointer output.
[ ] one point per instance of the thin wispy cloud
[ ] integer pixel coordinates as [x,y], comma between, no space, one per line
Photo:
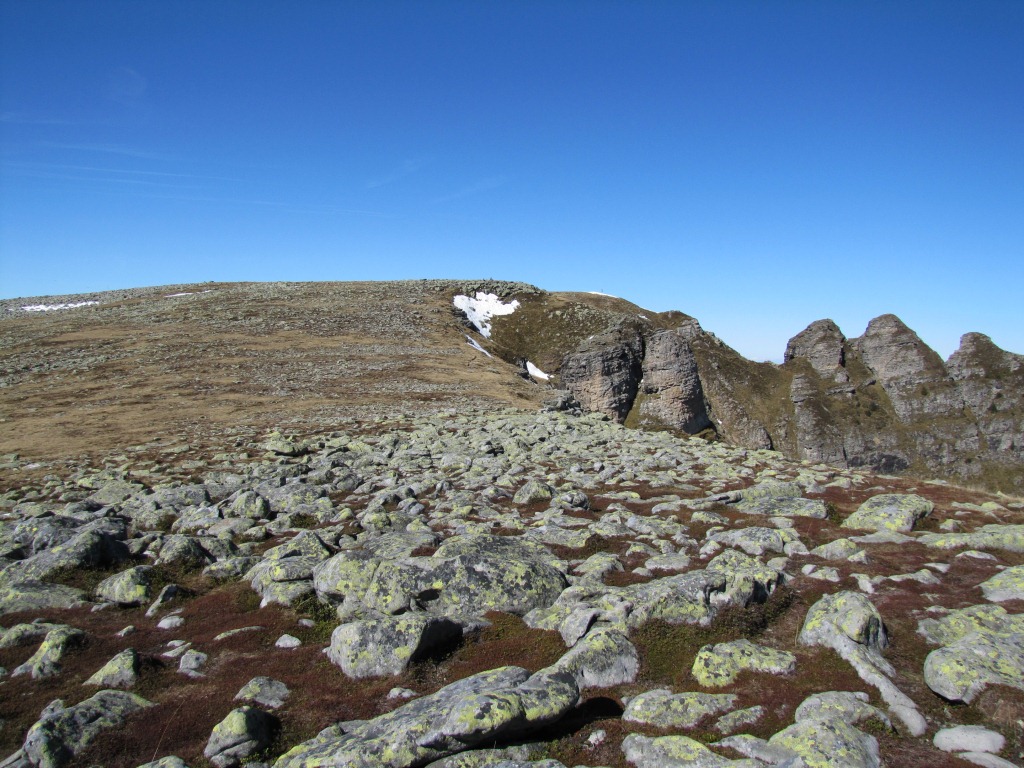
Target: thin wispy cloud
[278,204]
[21,118]
[408,168]
[484,185]
[105,149]
[101,172]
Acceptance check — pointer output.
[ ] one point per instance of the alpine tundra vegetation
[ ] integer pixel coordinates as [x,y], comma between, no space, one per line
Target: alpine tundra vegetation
[473,523]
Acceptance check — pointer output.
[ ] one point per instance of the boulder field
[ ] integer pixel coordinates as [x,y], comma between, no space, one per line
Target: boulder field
[505,588]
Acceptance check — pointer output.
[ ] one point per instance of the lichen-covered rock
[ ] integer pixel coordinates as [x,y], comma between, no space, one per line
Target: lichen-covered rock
[889,512]
[88,549]
[172,761]
[21,634]
[986,620]
[282,581]
[344,578]
[62,732]
[962,670]
[762,751]
[129,587]
[38,596]
[719,665]
[265,692]
[386,645]
[747,579]
[244,731]
[1005,585]
[493,573]
[739,720]
[122,671]
[665,709]
[784,506]
[481,709]
[731,578]
[981,645]
[846,706]
[45,662]
[184,552]
[850,624]
[755,540]
[604,657]
[991,536]
[841,615]
[840,549]
[532,491]
[830,743]
[674,752]
[770,489]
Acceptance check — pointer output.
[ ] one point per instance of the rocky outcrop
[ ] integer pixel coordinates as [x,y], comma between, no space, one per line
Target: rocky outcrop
[604,372]
[822,345]
[991,383]
[883,401]
[670,392]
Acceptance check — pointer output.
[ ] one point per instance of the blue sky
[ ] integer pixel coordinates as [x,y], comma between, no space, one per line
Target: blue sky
[758,165]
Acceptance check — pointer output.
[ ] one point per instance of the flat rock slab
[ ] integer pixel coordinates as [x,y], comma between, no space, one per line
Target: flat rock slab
[673,752]
[829,744]
[498,704]
[969,738]
[38,596]
[665,709]
[890,512]
[1006,585]
[719,665]
[981,645]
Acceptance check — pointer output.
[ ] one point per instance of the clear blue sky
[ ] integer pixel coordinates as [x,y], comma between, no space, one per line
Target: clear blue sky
[758,165]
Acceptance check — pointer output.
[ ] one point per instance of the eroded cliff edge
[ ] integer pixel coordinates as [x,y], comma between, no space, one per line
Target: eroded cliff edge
[884,400]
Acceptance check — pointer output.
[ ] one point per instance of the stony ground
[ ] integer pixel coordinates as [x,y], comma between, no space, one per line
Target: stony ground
[311,525]
[473,588]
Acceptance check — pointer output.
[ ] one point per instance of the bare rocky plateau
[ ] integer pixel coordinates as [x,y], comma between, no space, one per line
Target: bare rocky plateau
[334,524]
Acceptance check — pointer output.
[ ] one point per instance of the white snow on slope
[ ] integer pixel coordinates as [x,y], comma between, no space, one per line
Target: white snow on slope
[476,345]
[53,307]
[598,293]
[481,309]
[536,372]
[187,293]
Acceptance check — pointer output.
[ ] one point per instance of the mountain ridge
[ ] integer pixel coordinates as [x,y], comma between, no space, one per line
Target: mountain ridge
[883,400]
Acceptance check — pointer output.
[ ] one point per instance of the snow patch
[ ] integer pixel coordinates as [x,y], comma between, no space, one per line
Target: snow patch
[186,293]
[536,372]
[481,309]
[53,307]
[598,293]
[476,345]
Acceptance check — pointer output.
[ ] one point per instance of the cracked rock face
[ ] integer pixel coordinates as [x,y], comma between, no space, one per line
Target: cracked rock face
[822,345]
[671,387]
[604,373]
